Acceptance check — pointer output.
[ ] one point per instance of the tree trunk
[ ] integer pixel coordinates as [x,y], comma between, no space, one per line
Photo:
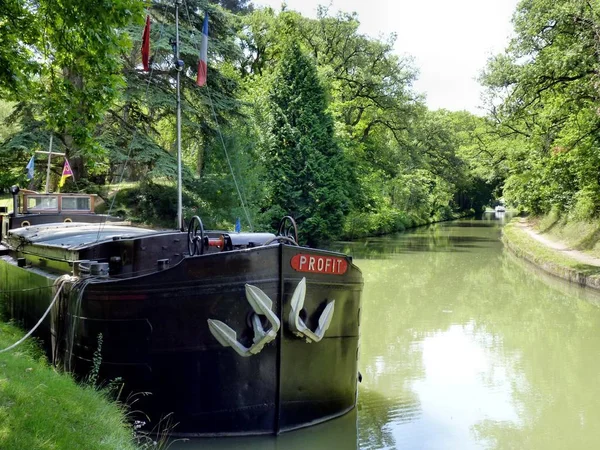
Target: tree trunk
[200,159]
[77,163]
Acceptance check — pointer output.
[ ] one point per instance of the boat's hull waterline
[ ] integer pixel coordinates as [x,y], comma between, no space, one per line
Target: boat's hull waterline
[258,340]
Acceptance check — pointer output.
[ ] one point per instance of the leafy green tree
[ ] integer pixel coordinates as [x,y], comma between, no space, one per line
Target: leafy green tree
[236,6]
[18,33]
[306,168]
[68,68]
[544,93]
[10,170]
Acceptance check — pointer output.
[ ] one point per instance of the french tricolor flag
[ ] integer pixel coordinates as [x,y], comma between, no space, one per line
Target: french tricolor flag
[202,66]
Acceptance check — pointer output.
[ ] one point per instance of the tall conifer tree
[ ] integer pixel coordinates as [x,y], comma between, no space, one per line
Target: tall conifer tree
[307,169]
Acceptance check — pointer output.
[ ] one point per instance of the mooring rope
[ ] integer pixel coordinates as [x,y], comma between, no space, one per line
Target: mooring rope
[60,282]
[6,291]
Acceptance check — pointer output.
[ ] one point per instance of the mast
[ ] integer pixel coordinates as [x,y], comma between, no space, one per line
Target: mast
[50,153]
[48,168]
[179,67]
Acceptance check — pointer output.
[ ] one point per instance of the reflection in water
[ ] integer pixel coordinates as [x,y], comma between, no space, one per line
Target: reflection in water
[472,348]
[339,433]
[462,346]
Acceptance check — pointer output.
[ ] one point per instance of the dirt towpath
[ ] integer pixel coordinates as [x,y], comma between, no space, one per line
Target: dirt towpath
[559,246]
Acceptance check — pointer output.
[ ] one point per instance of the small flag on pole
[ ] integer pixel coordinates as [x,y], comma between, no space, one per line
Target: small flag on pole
[146,46]
[67,172]
[202,64]
[30,168]
[238,225]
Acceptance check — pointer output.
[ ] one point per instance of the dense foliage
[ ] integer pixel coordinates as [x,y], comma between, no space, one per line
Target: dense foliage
[544,98]
[306,170]
[300,116]
[63,67]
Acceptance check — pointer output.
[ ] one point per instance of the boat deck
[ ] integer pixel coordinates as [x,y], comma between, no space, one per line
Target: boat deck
[77,234]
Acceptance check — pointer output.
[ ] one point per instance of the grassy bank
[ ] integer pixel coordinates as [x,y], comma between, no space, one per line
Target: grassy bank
[45,410]
[552,261]
[579,235]
[365,225]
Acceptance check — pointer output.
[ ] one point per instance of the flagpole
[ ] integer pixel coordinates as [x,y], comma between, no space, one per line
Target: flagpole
[49,159]
[179,67]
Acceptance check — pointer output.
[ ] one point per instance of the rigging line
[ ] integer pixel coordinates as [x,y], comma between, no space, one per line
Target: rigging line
[219,128]
[228,160]
[130,147]
[242,187]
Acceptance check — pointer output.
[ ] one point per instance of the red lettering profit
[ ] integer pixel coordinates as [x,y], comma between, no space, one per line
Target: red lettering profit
[319,264]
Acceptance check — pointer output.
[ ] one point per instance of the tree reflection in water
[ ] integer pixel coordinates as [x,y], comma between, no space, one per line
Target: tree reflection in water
[472,348]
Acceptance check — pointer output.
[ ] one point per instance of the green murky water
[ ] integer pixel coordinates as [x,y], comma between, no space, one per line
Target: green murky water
[463,346]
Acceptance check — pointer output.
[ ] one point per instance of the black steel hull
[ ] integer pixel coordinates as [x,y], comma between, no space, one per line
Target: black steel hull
[156,339]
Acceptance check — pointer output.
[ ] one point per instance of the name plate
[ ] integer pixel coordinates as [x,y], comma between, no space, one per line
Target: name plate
[319,264]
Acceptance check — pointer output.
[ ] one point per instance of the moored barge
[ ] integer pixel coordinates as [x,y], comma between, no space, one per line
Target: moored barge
[228,333]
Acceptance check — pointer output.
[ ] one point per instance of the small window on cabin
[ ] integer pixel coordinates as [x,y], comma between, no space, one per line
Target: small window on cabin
[75,203]
[42,203]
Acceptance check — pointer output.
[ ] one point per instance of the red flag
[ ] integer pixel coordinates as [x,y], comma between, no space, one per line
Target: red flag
[146,45]
[202,63]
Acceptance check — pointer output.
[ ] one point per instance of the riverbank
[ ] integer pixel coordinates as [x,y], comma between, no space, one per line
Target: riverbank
[566,250]
[43,409]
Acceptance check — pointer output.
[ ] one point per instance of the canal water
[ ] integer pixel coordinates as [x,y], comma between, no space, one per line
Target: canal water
[463,346]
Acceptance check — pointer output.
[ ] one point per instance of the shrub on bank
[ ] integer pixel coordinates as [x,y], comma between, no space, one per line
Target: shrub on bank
[361,224]
[387,221]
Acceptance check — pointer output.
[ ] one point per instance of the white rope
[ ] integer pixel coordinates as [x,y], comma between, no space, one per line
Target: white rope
[60,281]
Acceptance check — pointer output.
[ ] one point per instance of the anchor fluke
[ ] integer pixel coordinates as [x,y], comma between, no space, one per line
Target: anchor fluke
[298,326]
[262,306]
